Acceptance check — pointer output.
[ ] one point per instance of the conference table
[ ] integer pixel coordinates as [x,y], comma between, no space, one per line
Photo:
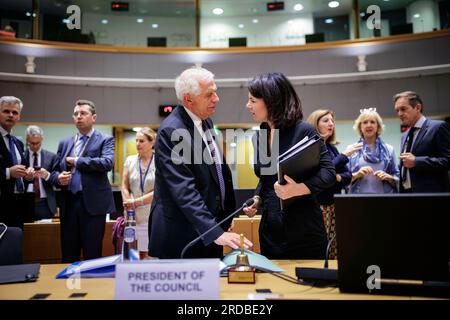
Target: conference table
[103,288]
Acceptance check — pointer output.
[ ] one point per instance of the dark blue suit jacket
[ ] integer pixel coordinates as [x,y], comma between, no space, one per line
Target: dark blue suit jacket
[7,186]
[431,148]
[94,164]
[186,198]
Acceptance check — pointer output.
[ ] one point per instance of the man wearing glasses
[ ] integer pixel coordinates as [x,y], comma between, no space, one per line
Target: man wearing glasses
[41,163]
[84,162]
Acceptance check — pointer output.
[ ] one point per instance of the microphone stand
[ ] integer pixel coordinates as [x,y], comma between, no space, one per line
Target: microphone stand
[247,203]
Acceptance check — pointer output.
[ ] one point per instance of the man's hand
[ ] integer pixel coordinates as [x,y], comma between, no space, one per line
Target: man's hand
[290,189]
[30,174]
[64,178]
[42,173]
[232,240]
[18,171]
[409,160]
[70,161]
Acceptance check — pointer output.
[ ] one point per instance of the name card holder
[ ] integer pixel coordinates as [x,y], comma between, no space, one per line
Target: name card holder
[168,279]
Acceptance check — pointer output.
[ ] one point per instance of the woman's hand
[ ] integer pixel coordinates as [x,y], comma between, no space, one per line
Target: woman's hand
[362,172]
[251,210]
[383,176]
[129,204]
[290,189]
[351,149]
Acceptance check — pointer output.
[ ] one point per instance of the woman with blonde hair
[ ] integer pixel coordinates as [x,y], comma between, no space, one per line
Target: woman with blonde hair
[323,121]
[374,169]
[137,185]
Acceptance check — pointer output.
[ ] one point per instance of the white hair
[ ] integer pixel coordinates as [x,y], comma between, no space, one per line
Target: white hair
[34,131]
[188,81]
[11,100]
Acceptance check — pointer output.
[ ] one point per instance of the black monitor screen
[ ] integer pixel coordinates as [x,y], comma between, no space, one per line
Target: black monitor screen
[405,235]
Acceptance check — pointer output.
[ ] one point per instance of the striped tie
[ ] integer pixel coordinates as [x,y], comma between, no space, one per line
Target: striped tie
[215,157]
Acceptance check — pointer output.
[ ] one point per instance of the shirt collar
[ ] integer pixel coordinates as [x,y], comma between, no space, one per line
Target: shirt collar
[3,131]
[32,152]
[90,133]
[197,121]
[420,122]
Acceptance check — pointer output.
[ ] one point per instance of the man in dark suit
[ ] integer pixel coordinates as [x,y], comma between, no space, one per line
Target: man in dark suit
[12,169]
[41,163]
[425,147]
[193,186]
[84,162]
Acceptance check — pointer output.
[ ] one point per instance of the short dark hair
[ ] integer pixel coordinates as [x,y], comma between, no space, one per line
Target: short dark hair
[284,108]
[413,98]
[86,102]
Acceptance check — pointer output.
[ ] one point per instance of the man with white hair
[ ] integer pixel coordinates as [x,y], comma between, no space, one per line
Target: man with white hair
[41,163]
[12,168]
[191,196]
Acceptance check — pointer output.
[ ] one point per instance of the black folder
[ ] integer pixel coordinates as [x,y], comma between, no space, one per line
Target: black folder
[300,162]
[19,273]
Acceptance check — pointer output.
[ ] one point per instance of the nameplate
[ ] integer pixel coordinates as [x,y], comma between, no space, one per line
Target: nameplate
[168,279]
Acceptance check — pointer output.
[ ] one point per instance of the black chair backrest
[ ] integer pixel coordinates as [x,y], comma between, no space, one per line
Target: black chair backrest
[10,245]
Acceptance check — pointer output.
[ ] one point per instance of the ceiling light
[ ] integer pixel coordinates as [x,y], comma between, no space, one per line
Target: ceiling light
[329,20]
[362,14]
[255,20]
[333,4]
[241,26]
[137,129]
[66,21]
[233,144]
[155,26]
[217,11]
[104,21]
[290,22]
[28,14]
[139,20]
[298,7]
[416,15]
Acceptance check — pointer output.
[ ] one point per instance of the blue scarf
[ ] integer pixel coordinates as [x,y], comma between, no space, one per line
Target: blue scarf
[380,153]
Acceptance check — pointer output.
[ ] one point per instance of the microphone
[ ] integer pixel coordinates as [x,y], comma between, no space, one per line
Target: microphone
[319,277]
[247,203]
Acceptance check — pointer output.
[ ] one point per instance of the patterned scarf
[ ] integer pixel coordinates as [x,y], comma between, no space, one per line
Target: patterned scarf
[380,153]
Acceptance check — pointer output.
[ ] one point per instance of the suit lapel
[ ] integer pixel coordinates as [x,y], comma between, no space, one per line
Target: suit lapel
[191,127]
[92,140]
[420,136]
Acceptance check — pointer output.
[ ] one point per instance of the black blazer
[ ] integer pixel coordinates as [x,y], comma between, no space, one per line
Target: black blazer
[49,161]
[186,198]
[431,148]
[7,186]
[298,232]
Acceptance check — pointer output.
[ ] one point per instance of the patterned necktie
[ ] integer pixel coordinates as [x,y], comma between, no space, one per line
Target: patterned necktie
[36,186]
[12,151]
[75,181]
[408,146]
[215,157]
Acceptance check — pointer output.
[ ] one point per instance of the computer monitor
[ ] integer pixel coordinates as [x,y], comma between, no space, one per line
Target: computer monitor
[405,236]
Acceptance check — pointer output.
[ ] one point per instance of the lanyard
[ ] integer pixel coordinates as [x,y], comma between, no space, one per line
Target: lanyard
[142,180]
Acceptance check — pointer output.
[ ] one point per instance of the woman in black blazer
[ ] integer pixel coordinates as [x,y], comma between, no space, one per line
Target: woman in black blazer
[298,232]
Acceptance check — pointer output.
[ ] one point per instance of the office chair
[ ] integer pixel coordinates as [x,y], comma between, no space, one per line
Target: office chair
[10,245]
